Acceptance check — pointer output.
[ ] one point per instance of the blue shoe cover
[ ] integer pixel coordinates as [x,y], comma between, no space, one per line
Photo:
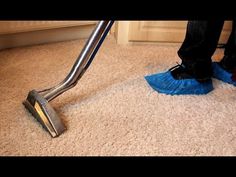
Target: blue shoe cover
[221,74]
[166,83]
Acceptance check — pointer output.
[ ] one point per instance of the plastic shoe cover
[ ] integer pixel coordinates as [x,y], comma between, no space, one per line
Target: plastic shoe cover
[166,83]
[221,74]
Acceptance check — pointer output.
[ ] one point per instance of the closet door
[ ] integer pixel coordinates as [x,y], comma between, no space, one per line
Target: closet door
[165,31]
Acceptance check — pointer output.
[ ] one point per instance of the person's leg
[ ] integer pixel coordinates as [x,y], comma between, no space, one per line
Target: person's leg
[229,60]
[193,76]
[198,47]
[223,70]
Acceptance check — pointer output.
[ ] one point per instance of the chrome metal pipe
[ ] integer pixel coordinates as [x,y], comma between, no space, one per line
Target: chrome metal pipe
[83,61]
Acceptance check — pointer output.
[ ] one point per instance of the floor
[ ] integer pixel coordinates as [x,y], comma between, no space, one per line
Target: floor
[112,111]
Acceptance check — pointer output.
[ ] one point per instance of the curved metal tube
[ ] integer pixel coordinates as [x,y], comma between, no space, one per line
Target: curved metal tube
[83,61]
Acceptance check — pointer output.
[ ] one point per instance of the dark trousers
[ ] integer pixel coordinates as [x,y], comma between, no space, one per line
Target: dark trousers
[200,44]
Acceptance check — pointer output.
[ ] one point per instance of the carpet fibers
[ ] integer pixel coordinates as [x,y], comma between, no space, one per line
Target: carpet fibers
[112,111]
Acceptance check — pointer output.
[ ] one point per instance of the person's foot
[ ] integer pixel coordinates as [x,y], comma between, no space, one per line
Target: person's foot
[179,81]
[223,73]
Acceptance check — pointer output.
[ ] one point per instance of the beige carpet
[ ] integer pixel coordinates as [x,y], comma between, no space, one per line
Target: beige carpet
[112,111]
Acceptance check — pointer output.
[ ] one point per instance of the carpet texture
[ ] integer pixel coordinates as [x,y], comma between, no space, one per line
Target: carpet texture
[112,111]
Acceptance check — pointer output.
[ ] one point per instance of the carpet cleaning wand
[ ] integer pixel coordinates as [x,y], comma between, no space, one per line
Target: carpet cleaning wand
[37,102]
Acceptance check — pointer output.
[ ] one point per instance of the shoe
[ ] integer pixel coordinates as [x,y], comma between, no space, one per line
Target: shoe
[178,81]
[221,73]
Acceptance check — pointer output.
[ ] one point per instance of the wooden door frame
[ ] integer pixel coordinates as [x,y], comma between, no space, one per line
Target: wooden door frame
[122,32]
